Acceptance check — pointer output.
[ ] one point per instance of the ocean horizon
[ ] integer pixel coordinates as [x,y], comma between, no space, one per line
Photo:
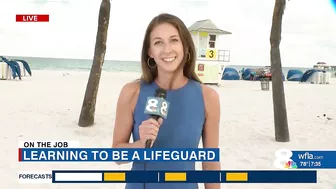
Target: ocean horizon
[65,64]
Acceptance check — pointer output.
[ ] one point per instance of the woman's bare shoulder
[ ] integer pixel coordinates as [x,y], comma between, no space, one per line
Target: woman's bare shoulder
[209,93]
[130,91]
[211,98]
[130,88]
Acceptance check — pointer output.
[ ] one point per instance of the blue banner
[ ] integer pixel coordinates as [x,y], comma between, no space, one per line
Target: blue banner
[319,159]
[109,154]
[222,176]
[314,159]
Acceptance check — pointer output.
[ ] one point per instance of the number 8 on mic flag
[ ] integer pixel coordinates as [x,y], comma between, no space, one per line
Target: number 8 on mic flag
[157,106]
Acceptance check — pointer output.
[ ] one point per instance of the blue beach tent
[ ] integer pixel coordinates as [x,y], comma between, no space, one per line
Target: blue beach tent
[294,75]
[247,73]
[230,74]
[308,76]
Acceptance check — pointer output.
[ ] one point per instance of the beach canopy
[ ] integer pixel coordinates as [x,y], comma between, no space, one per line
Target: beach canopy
[15,67]
[294,75]
[247,73]
[310,75]
[230,74]
[25,65]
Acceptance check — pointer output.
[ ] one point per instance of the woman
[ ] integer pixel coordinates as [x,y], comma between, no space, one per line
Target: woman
[168,61]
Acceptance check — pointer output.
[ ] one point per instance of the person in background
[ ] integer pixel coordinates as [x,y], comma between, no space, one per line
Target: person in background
[168,61]
[242,72]
[252,75]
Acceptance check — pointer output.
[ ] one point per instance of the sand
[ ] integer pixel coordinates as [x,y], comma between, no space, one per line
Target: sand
[47,105]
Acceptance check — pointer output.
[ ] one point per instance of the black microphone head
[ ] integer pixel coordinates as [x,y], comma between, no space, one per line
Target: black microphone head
[161,93]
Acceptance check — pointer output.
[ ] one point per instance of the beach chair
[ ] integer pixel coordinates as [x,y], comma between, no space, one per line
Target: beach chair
[5,71]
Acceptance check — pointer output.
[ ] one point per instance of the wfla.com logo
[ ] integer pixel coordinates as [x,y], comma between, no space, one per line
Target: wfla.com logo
[283,159]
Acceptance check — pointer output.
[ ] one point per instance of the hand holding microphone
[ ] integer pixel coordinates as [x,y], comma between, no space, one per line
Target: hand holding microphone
[157,107]
[149,129]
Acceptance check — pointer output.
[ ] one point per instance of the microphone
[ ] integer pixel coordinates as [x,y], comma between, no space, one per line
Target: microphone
[157,107]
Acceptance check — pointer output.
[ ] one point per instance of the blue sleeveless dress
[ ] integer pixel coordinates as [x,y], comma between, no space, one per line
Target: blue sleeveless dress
[182,129]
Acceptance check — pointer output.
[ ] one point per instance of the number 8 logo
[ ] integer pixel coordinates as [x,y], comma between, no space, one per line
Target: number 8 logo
[152,105]
[164,108]
[282,157]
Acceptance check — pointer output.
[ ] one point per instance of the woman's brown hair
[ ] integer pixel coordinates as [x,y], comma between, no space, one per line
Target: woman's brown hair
[189,59]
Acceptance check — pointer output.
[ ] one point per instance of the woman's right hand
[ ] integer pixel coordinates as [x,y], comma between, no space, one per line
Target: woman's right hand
[149,129]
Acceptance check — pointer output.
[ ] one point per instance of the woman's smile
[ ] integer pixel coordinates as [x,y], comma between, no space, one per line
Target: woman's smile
[169,59]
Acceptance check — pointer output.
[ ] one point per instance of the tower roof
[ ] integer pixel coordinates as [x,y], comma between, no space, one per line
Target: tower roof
[206,26]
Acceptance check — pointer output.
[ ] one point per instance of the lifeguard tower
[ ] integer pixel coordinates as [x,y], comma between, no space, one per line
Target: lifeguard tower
[210,61]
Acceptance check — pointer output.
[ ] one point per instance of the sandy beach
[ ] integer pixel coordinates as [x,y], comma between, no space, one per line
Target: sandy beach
[47,106]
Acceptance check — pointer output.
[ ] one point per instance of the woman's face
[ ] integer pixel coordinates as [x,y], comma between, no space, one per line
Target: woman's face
[166,47]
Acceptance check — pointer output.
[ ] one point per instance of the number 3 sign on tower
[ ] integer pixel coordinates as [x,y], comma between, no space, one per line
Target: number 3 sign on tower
[211,54]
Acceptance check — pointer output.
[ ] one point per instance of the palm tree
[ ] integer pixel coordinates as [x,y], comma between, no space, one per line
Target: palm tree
[86,117]
[279,103]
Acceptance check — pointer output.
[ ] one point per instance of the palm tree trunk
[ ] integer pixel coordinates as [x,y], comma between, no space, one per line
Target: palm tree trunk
[89,103]
[279,103]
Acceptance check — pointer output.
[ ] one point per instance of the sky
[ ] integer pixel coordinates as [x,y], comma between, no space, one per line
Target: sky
[308,37]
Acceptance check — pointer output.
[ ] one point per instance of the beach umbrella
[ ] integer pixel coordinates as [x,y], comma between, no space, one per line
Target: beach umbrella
[25,65]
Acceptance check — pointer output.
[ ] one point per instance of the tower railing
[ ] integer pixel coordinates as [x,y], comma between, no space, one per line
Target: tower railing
[224,55]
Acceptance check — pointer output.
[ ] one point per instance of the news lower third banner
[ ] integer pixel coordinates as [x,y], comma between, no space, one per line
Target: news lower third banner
[110,154]
[106,176]
[317,159]
[184,176]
